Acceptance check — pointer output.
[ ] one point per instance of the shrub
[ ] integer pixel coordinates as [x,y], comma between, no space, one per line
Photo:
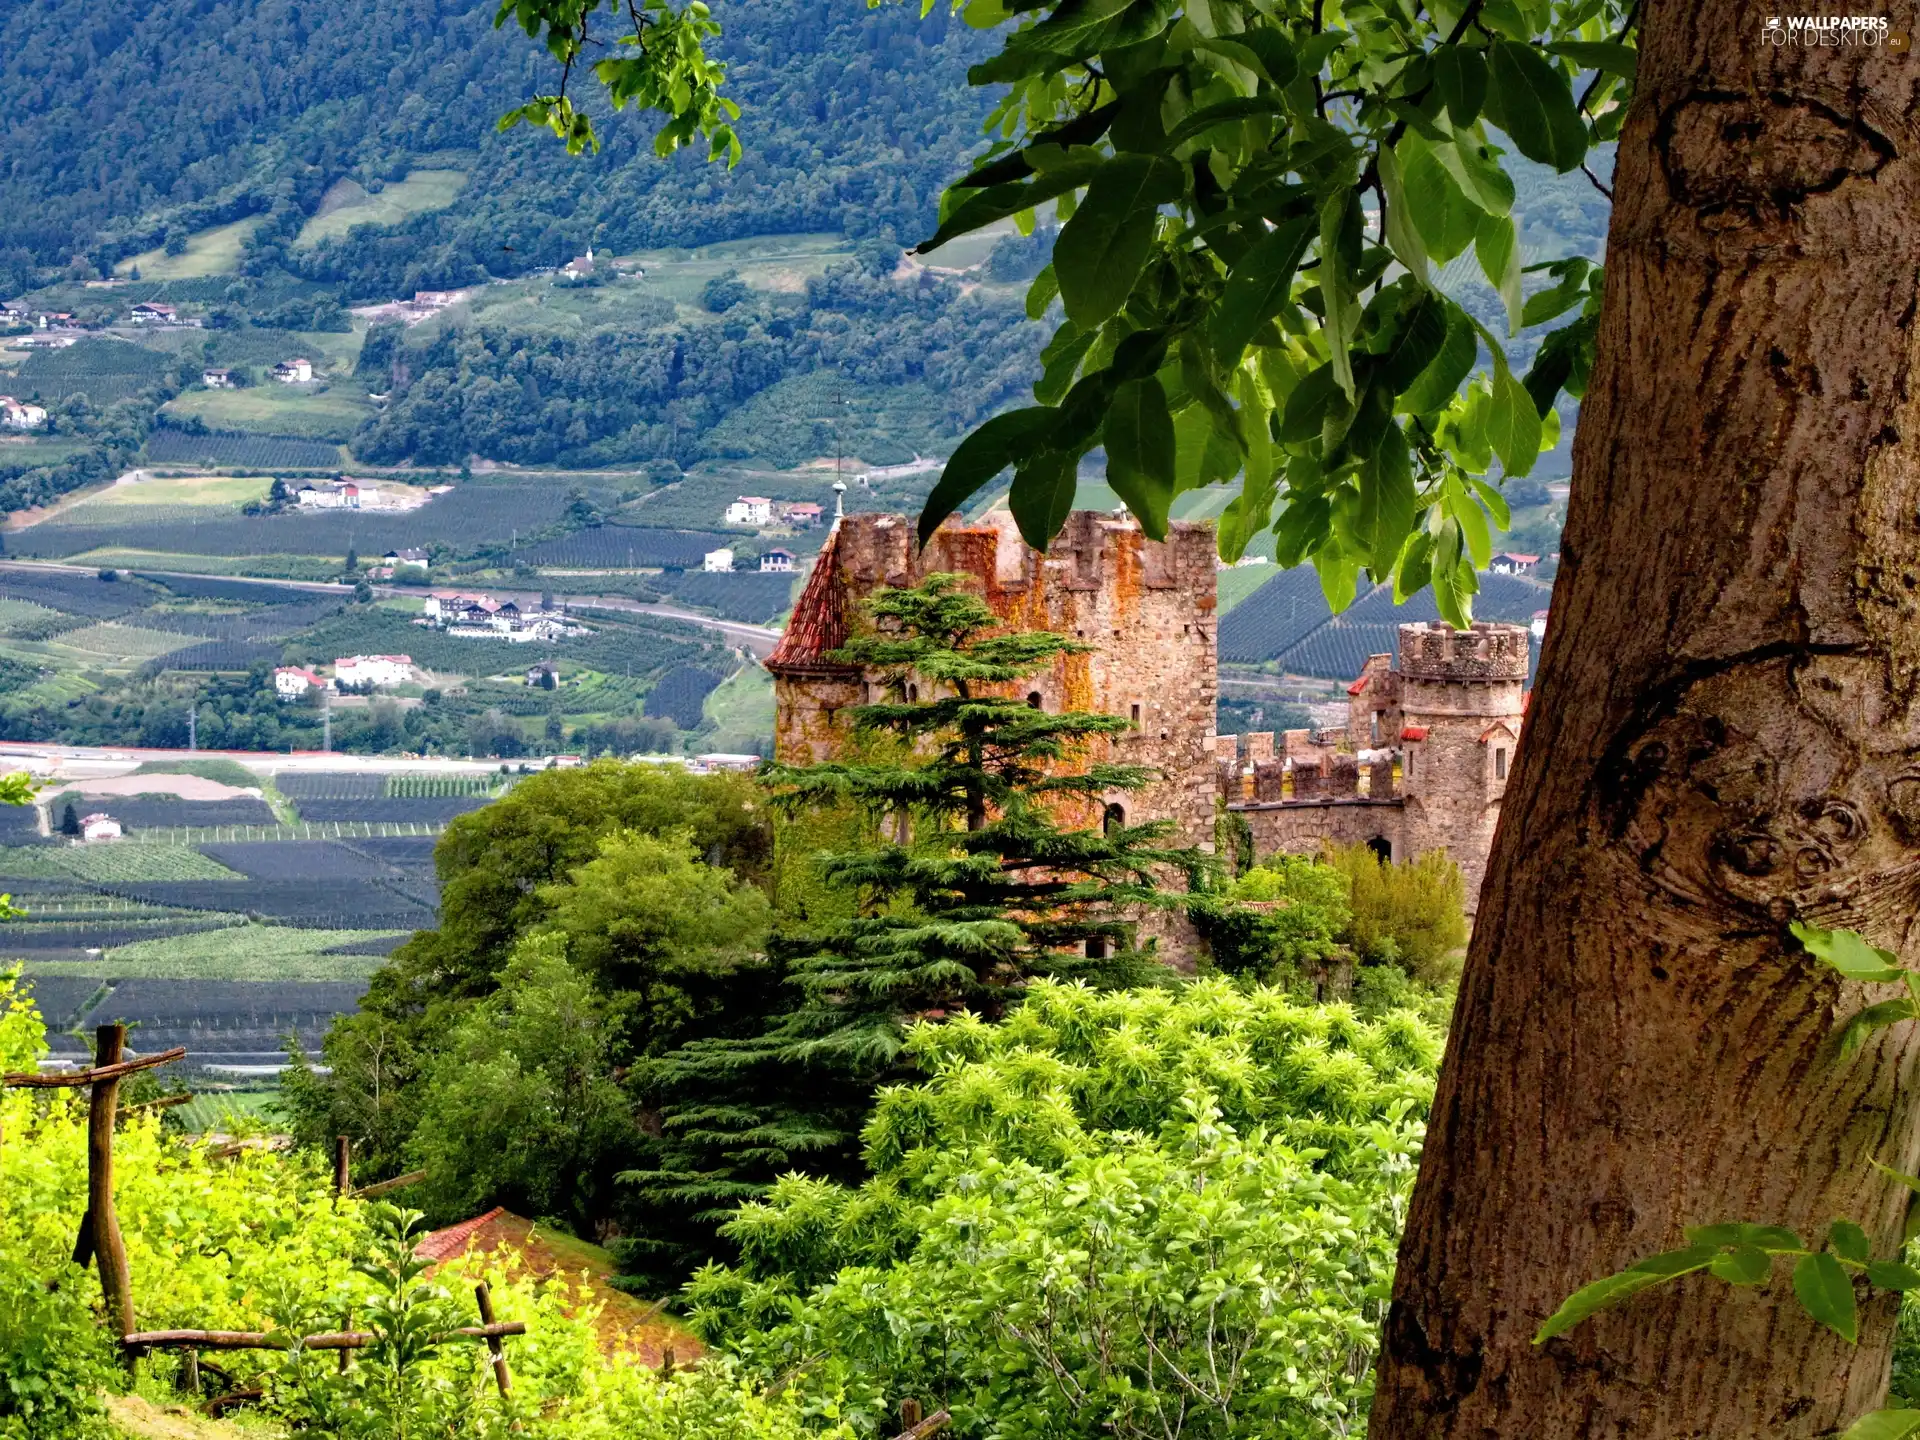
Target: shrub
[1412,914]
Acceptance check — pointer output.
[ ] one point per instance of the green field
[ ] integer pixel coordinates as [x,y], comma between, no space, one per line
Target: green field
[202,492]
[268,567]
[238,952]
[227,1110]
[348,204]
[328,414]
[42,450]
[740,709]
[112,643]
[1237,584]
[129,860]
[215,251]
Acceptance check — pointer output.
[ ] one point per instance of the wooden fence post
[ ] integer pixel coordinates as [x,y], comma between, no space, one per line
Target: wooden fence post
[109,1250]
[909,1414]
[500,1375]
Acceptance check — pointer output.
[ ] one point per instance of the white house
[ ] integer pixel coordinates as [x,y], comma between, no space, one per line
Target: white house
[1538,626]
[216,378]
[151,312]
[416,559]
[580,266]
[750,510]
[379,671]
[18,415]
[434,299]
[1509,563]
[290,682]
[297,371]
[718,562]
[339,495]
[776,561]
[99,826]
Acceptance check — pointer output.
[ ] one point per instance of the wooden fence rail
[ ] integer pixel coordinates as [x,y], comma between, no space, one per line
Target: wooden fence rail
[327,1340]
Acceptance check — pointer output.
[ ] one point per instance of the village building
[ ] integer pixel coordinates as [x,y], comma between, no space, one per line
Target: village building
[749,510]
[99,826]
[717,562]
[291,682]
[777,562]
[801,514]
[44,342]
[297,371]
[545,675]
[19,415]
[409,559]
[380,671]
[434,299]
[579,267]
[151,312]
[1510,563]
[216,377]
[1421,765]
[339,495]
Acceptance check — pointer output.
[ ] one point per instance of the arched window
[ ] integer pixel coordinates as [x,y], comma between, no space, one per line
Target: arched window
[1382,849]
[1112,818]
[1034,701]
[913,692]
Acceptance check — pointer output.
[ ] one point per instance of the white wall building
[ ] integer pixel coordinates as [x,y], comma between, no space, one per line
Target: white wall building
[297,371]
[718,562]
[101,826]
[750,510]
[776,562]
[290,682]
[18,415]
[379,671]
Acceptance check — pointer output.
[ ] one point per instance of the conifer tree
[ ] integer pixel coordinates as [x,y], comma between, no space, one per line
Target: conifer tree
[967,885]
[69,820]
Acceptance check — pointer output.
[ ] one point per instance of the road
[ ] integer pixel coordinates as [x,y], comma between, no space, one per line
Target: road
[757,640]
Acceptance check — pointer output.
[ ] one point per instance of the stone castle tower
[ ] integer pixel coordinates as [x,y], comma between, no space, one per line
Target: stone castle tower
[1146,608]
[1421,765]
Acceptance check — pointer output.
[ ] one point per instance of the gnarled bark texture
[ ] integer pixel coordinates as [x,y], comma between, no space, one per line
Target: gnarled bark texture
[1725,736]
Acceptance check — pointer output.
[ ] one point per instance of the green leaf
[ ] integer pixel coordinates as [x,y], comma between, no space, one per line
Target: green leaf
[978,459]
[1387,495]
[1774,1239]
[1477,170]
[1042,496]
[1912,1182]
[1434,386]
[1530,99]
[1571,291]
[984,207]
[1606,55]
[1339,577]
[1825,1292]
[1884,1425]
[1497,246]
[1513,425]
[1040,294]
[1473,524]
[1874,1017]
[1495,502]
[1307,407]
[1140,453]
[1746,1265]
[1590,1299]
[1403,235]
[1060,360]
[1445,217]
[1849,1241]
[1099,252]
[1340,244]
[1893,1275]
[1847,952]
[1259,286]
[1460,75]
[1417,342]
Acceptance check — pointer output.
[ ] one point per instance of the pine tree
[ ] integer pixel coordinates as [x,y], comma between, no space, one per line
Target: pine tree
[968,885]
[69,820]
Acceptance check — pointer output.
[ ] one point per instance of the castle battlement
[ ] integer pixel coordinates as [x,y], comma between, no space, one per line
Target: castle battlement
[1489,652]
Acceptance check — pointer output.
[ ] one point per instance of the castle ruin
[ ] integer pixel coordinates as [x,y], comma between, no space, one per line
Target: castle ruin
[1421,764]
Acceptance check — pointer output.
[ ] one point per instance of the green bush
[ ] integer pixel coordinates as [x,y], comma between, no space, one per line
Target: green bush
[1099,1216]
[1412,914]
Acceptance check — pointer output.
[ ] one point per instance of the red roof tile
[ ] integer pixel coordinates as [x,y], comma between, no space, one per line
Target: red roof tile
[1357,686]
[819,621]
[452,1241]
[1414,732]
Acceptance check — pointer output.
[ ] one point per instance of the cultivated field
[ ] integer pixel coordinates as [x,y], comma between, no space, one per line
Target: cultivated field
[330,414]
[348,204]
[214,251]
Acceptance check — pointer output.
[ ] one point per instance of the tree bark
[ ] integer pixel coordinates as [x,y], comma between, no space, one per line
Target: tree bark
[1725,737]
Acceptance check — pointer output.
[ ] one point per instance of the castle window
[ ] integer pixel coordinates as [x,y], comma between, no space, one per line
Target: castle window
[1135,708]
[913,692]
[1096,947]
[1500,764]
[1382,849]
[1034,701]
[1112,818]
[1376,726]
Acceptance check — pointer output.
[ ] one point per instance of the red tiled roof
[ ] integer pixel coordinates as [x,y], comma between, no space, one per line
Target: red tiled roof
[1414,732]
[452,1241]
[819,622]
[1357,686]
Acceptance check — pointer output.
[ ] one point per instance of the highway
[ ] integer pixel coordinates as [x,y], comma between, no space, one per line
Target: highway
[757,640]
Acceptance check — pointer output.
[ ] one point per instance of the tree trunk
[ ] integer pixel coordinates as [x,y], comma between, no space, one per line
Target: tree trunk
[1726,736]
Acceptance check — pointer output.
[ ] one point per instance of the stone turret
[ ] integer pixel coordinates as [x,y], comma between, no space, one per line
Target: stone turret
[1459,697]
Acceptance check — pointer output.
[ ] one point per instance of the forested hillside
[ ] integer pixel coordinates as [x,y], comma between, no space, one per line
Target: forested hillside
[854,119]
